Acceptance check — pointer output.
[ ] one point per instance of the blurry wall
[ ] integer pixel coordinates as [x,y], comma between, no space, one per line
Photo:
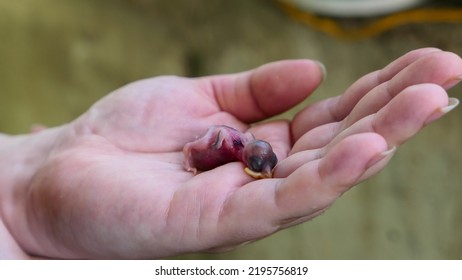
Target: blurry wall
[57,57]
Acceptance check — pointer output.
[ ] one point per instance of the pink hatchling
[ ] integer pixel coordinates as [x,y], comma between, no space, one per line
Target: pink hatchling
[222,144]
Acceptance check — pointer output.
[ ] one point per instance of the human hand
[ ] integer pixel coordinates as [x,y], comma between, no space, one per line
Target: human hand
[113,183]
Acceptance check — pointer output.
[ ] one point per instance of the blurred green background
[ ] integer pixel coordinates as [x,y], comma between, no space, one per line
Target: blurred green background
[57,57]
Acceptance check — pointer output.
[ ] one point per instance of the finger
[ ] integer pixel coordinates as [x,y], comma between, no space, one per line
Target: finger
[319,183]
[266,91]
[265,206]
[405,115]
[440,68]
[398,121]
[337,108]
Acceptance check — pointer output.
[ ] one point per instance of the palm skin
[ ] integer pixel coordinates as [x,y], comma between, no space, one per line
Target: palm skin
[114,185]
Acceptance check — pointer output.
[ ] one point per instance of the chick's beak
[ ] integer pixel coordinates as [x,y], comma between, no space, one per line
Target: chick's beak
[264,174]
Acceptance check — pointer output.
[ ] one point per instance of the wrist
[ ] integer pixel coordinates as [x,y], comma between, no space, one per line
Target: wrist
[22,155]
[20,158]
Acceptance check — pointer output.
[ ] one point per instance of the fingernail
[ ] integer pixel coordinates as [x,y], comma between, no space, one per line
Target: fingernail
[452,103]
[452,82]
[385,154]
[388,152]
[323,69]
[377,163]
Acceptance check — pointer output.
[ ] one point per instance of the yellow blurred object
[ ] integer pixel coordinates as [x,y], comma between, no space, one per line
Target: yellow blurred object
[331,27]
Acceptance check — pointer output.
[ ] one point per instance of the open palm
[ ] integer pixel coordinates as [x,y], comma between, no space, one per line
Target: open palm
[114,185]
